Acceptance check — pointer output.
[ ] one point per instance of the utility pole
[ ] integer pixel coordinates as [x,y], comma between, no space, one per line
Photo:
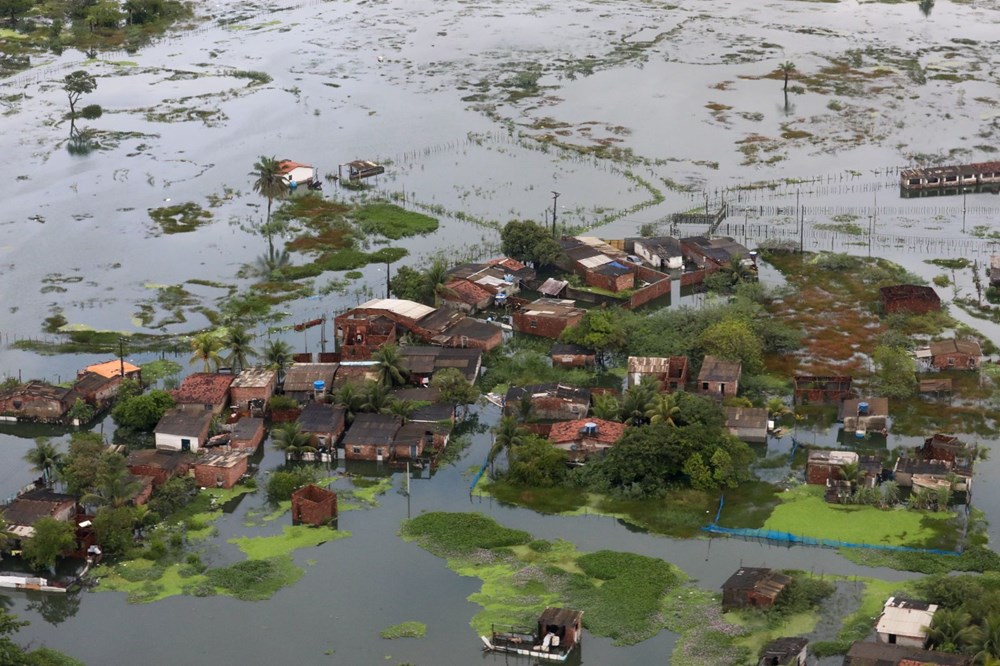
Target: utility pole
[963,210]
[802,225]
[555,198]
[387,279]
[121,357]
[871,226]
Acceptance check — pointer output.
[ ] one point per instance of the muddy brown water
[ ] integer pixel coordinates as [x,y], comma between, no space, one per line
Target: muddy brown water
[655,68]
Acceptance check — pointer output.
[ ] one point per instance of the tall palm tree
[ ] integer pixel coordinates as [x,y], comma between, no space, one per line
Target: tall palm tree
[206,347]
[850,472]
[952,630]
[435,276]
[115,486]
[607,407]
[277,355]
[376,398]
[636,401]
[664,409]
[351,400]
[290,439]
[390,368]
[269,182]
[507,434]
[44,458]
[787,68]
[987,640]
[401,408]
[238,341]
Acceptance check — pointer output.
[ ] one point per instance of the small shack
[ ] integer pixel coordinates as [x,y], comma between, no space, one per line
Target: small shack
[824,466]
[747,424]
[905,622]
[221,468]
[183,429]
[547,317]
[37,401]
[572,356]
[813,388]
[313,505]
[309,381]
[247,433]
[412,442]
[371,437]
[719,377]
[785,652]
[883,654]
[753,587]
[160,465]
[909,299]
[325,422]
[358,170]
[953,354]
[940,446]
[669,372]
[584,439]
[252,388]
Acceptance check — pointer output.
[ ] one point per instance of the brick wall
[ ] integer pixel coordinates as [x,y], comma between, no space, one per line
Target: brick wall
[207,476]
[313,505]
[697,277]
[649,293]
[546,327]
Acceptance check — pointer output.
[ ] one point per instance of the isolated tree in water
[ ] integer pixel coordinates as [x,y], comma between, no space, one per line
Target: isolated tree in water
[77,84]
[270,183]
[787,68]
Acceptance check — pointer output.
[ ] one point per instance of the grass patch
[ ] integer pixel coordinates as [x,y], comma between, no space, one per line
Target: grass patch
[255,580]
[404,630]
[804,512]
[975,559]
[292,538]
[181,218]
[451,534]
[392,221]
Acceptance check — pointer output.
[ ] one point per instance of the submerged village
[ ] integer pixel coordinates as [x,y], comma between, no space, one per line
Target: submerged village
[450,348]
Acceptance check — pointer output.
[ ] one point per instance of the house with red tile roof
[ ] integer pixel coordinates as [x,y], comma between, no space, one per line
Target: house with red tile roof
[208,389]
[465,296]
[583,439]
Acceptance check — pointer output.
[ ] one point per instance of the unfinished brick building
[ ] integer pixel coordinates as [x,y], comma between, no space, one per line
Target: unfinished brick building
[313,505]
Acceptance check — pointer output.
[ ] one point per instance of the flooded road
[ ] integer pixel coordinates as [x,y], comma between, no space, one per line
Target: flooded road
[631,111]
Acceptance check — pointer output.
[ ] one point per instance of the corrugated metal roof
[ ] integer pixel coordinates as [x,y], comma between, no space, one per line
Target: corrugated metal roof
[595,261]
[398,306]
[904,618]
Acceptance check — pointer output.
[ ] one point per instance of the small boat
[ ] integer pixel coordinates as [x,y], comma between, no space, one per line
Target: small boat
[35,583]
[558,632]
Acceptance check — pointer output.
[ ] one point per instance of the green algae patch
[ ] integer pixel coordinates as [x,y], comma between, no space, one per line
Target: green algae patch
[858,625]
[255,580]
[456,534]
[368,490]
[292,538]
[392,221]
[180,218]
[142,580]
[409,629]
[804,512]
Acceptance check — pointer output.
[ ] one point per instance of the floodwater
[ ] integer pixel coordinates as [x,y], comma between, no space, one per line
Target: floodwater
[451,96]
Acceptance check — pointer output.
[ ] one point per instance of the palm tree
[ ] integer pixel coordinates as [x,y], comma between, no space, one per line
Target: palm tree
[636,402]
[777,408]
[288,437]
[850,472]
[270,183]
[507,434]
[890,494]
[390,368]
[525,409]
[376,398]
[952,630]
[436,276]
[987,641]
[664,408]
[607,407]
[44,458]
[278,355]
[401,408]
[351,400]
[787,68]
[206,347]
[115,486]
[238,341]
[267,264]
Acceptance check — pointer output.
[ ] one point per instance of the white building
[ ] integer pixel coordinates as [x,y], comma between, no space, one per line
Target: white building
[905,622]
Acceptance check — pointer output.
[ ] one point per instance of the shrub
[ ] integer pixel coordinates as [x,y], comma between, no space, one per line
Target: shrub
[279,403]
[461,533]
[92,111]
[282,484]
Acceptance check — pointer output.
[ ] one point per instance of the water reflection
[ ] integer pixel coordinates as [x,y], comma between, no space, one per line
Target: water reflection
[54,608]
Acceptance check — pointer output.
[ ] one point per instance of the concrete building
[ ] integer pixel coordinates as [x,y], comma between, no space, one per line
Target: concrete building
[905,622]
[183,429]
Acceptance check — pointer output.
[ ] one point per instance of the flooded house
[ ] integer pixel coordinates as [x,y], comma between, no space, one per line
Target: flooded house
[822,389]
[905,622]
[940,446]
[747,424]
[948,179]
[96,390]
[556,634]
[465,296]
[547,317]
[908,299]
[823,466]
[413,441]
[206,389]
[252,388]
[297,175]
[669,372]
[599,264]
[584,439]
[371,437]
[305,382]
[221,468]
[428,403]
[312,505]
[719,377]
[36,401]
[115,368]
[753,587]
[885,654]
[159,465]
[247,433]
[550,402]
[572,356]
[954,354]
[183,429]
[29,507]
[553,288]
[444,327]
[502,278]
[918,473]
[422,362]
[864,415]
[701,252]
[662,252]
[937,385]
[788,651]
[358,170]
[324,422]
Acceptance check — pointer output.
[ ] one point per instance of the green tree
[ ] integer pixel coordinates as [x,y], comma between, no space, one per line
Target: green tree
[723,469]
[52,538]
[786,68]
[734,340]
[277,355]
[637,400]
[113,485]
[77,84]
[80,412]
[665,409]
[434,278]
[699,474]
[104,14]
[599,329]
[895,372]
[607,407]
[390,366]
[239,342]
[289,438]
[142,412]
[409,284]
[114,529]
[987,640]
[454,388]
[15,9]
[401,408]
[206,348]
[850,472]
[10,652]
[129,388]
[44,458]
[527,241]
[376,398]
[79,466]
[536,463]
[351,399]
[269,183]
[507,434]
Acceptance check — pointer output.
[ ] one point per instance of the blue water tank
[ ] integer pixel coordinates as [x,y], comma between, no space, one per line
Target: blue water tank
[862,409]
[292,185]
[319,385]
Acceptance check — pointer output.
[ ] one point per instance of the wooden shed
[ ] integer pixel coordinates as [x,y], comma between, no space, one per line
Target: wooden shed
[753,587]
